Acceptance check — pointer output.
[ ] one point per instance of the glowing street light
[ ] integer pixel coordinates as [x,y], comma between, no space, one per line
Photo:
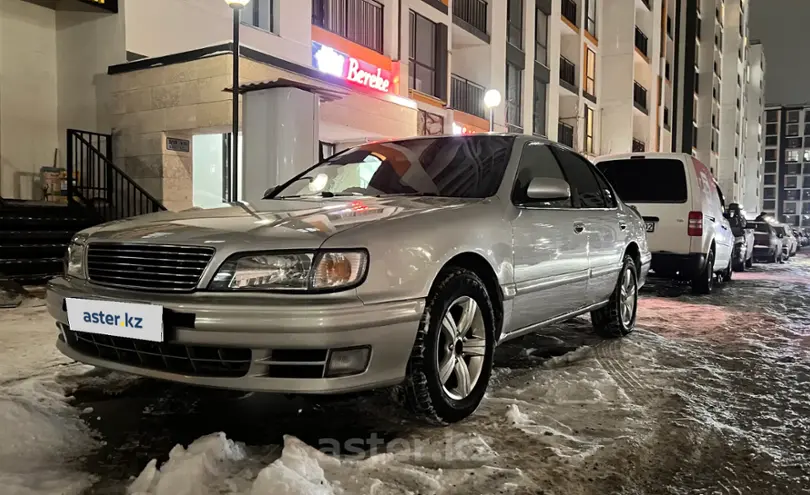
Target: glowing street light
[492,98]
[237,6]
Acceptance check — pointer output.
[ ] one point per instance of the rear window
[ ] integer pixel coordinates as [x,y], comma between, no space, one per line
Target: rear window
[761,227]
[648,180]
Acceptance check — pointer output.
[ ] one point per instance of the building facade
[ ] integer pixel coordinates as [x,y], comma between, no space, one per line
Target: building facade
[786,179]
[754,103]
[600,76]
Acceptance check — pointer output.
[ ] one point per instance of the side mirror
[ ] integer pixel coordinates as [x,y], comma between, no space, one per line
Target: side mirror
[548,189]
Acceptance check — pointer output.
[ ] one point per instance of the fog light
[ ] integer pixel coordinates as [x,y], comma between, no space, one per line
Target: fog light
[350,361]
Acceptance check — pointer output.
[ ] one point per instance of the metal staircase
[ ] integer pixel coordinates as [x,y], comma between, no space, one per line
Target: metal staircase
[34,234]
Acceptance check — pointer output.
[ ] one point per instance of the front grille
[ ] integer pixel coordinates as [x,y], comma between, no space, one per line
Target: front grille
[147,266]
[205,361]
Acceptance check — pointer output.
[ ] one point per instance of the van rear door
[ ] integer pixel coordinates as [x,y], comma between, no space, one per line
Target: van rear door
[659,189]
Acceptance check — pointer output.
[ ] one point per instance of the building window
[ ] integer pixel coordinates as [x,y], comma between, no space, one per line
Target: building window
[772,141]
[666,117]
[360,21]
[667,73]
[770,155]
[770,167]
[541,37]
[789,207]
[514,89]
[769,193]
[791,182]
[772,116]
[792,130]
[769,205]
[793,194]
[793,116]
[770,179]
[540,92]
[514,23]
[669,27]
[795,142]
[807,156]
[422,74]
[259,13]
[792,156]
[590,72]
[590,16]
[771,129]
[589,125]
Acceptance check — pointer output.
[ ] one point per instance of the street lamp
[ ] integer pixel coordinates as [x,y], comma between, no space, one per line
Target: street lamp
[492,98]
[237,6]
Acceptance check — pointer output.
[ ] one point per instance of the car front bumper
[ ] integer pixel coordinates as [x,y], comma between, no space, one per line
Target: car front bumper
[284,345]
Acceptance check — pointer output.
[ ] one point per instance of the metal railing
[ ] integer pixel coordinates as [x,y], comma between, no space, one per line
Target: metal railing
[95,181]
[642,42]
[638,146]
[360,21]
[473,12]
[565,134]
[568,71]
[467,96]
[640,96]
[569,11]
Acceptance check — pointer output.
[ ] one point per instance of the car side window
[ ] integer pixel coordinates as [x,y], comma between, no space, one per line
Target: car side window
[607,191]
[584,187]
[536,160]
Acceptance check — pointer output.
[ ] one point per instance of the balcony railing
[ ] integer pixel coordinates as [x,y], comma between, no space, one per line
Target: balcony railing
[473,12]
[642,42]
[638,146]
[565,134]
[569,11]
[568,71]
[640,96]
[360,21]
[467,96]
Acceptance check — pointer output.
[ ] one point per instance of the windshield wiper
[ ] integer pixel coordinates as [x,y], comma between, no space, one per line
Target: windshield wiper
[408,194]
[322,194]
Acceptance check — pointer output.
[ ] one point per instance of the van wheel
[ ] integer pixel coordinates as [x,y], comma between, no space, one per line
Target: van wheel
[618,318]
[749,262]
[704,281]
[451,360]
[727,273]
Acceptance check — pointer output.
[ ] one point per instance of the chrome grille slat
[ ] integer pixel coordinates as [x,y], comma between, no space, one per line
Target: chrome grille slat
[156,267]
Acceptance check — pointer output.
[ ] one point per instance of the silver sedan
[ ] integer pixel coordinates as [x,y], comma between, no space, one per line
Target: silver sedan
[400,263]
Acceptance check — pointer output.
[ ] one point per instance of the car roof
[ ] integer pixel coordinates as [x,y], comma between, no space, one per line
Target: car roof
[650,155]
[522,137]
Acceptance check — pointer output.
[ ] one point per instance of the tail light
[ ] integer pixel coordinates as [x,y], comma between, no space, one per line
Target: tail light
[695,226]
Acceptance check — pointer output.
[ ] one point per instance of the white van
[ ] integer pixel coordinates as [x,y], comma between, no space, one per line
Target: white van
[683,208]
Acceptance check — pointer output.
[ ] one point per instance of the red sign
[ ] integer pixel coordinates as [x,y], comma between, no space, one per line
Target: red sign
[330,61]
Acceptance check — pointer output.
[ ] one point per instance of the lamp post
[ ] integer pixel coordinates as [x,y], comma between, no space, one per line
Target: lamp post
[492,98]
[236,6]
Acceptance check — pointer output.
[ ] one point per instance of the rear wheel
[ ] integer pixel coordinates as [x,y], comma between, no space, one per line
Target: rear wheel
[451,360]
[727,273]
[704,281]
[749,262]
[618,318]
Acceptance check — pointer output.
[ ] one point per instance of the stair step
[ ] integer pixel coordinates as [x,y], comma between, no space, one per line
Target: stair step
[25,270]
[21,236]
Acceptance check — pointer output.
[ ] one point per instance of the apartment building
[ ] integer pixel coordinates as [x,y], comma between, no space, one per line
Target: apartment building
[754,141]
[786,179]
[600,76]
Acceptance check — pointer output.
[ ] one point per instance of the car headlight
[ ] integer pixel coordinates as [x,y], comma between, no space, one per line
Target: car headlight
[74,261]
[323,271]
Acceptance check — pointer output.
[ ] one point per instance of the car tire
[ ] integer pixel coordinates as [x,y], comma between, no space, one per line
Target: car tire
[704,281]
[749,262]
[727,273]
[618,318]
[427,395]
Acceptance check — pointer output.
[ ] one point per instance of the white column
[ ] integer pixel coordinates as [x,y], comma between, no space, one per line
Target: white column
[280,138]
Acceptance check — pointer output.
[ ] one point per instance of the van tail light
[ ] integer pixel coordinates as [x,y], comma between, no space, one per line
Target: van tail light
[695,227]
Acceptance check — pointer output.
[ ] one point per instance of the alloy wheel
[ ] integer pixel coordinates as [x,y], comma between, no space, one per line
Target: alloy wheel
[462,347]
[628,298]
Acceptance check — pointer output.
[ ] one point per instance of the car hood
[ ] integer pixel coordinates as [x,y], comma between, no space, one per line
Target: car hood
[281,224]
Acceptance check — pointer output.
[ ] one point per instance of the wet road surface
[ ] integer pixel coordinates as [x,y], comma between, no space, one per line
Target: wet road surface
[709,395]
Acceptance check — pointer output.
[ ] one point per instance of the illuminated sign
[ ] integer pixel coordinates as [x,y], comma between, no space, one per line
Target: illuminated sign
[338,64]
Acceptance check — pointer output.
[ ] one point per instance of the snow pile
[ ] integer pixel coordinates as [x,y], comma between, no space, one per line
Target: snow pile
[189,471]
[298,471]
[42,438]
[516,417]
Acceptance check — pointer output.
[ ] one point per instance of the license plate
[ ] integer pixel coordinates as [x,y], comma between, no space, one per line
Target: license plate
[117,319]
[650,226]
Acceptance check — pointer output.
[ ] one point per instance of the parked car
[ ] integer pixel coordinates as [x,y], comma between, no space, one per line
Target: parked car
[400,263]
[767,245]
[743,253]
[801,239]
[682,207]
[789,243]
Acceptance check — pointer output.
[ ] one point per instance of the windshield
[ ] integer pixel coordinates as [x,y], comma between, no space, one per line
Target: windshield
[779,230]
[647,180]
[462,167]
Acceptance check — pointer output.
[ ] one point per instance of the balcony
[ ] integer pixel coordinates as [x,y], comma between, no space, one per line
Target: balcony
[642,42]
[565,134]
[360,21]
[640,97]
[472,14]
[568,75]
[466,96]
[569,11]
[639,146]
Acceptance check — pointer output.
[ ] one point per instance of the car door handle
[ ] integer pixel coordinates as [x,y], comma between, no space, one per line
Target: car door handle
[579,227]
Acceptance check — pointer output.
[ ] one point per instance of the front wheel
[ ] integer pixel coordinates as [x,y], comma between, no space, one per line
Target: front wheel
[618,318]
[451,360]
[704,281]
